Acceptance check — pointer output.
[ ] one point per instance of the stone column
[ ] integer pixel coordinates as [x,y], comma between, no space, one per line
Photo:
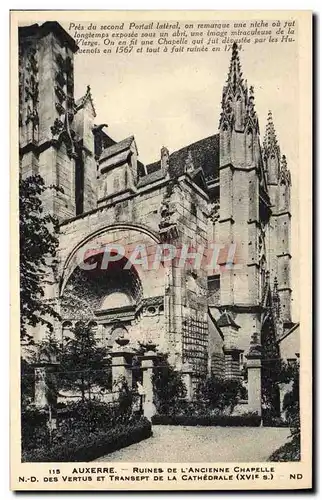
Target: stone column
[187,379]
[121,366]
[45,392]
[254,381]
[147,363]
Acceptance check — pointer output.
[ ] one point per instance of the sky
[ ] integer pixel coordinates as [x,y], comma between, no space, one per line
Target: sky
[174,99]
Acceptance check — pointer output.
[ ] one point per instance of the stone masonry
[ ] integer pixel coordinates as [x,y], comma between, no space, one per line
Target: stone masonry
[230,188]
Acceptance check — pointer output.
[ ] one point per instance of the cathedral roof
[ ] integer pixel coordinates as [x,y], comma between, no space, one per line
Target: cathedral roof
[226,320]
[204,154]
[117,148]
[153,176]
[288,331]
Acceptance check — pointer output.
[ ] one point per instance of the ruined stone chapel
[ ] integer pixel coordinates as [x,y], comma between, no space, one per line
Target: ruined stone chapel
[230,188]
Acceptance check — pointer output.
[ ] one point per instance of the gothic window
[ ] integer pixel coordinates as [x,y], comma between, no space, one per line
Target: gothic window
[67,327]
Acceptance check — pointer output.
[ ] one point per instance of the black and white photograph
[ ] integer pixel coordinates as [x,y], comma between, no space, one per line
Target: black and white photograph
[160,259]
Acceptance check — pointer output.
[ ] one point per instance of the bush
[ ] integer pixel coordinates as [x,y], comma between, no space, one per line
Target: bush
[247,420]
[275,422]
[168,386]
[291,451]
[84,448]
[89,416]
[220,394]
[34,429]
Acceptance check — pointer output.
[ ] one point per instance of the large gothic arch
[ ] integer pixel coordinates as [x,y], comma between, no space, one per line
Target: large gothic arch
[127,235]
[124,292]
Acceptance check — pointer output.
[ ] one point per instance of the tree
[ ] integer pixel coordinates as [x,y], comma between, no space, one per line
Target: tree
[38,246]
[83,363]
[168,386]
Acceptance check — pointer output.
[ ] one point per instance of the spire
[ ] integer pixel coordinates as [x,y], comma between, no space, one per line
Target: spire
[238,110]
[270,143]
[234,74]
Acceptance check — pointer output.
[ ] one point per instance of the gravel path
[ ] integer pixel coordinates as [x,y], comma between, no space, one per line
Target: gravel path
[203,444]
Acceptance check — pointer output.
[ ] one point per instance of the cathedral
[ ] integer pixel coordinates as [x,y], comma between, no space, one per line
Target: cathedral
[231,189]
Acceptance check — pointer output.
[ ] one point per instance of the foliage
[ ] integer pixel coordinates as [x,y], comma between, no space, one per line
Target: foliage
[219,394]
[83,363]
[27,382]
[247,420]
[168,386]
[77,417]
[34,429]
[91,416]
[125,400]
[271,373]
[80,447]
[38,245]
[290,451]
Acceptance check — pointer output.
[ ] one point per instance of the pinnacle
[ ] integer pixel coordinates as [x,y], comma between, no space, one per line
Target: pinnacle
[270,139]
[235,74]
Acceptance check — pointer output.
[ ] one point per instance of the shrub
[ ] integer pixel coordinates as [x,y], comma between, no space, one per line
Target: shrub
[219,394]
[168,386]
[34,429]
[289,452]
[81,447]
[247,420]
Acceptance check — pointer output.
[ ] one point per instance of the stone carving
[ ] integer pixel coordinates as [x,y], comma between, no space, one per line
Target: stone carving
[57,127]
[30,86]
[285,175]
[165,159]
[60,93]
[64,88]
[214,212]
[167,225]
